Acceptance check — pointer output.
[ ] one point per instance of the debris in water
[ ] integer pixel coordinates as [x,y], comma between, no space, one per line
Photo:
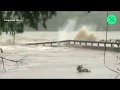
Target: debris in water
[80,68]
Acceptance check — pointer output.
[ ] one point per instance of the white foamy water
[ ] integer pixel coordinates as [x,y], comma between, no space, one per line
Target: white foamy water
[58,62]
[70,32]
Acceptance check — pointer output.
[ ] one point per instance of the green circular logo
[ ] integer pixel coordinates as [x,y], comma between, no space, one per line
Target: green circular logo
[111,19]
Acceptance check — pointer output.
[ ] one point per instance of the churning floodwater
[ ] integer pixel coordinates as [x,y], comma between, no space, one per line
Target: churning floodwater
[61,62]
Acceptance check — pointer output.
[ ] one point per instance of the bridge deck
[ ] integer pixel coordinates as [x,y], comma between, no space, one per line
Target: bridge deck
[77,41]
[87,44]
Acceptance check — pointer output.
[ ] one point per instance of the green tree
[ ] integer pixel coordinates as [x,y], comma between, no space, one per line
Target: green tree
[29,18]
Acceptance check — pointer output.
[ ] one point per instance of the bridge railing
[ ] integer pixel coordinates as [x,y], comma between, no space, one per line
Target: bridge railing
[80,41]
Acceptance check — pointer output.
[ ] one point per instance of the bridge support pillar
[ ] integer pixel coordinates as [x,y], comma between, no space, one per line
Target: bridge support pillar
[80,43]
[118,48]
[104,44]
[91,44]
[68,42]
[111,45]
[59,43]
[74,42]
[98,44]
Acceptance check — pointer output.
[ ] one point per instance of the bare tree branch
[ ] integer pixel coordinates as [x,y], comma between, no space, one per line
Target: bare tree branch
[17,62]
